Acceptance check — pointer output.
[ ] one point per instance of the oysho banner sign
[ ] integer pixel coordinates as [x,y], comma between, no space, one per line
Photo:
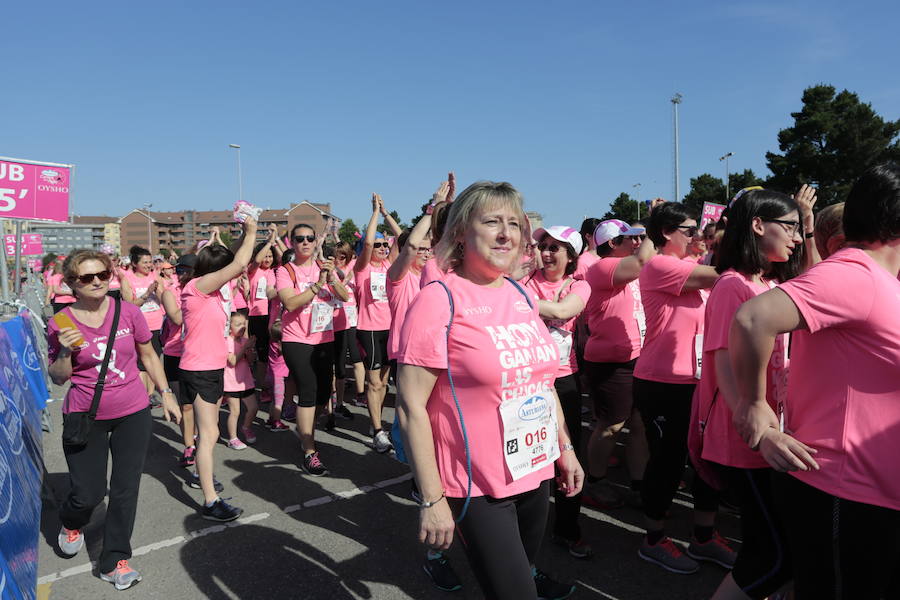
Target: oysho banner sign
[32,244]
[31,190]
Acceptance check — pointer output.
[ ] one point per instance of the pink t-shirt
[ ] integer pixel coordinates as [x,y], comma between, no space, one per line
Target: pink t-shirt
[152,307]
[721,441]
[615,315]
[562,331]
[346,313]
[170,334]
[400,295]
[844,390]
[114,283]
[299,325]
[499,349]
[585,261]
[205,329]
[673,345]
[260,280]
[238,378]
[431,272]
[56,279]
[124,393]
[371,289]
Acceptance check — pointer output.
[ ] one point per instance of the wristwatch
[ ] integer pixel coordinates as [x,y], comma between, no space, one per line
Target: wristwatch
[564,447]
[167,391]
[809,235]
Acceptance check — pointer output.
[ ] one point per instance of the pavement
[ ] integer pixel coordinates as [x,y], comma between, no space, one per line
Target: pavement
[351,534]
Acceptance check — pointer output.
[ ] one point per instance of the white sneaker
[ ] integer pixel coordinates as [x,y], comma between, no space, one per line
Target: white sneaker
[382,442]
[70,541]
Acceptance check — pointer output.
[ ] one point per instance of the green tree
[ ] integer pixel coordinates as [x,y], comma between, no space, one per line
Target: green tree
[347,231]
[385,229]
[739,181]
[835,137]
[624,208]
[704,188]
[226,238]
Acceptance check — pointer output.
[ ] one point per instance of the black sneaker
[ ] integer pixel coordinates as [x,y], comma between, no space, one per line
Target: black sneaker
[312,464]
[550,589]
[343,412]
[194,482]
[442,574]
[327,422]
[221,511]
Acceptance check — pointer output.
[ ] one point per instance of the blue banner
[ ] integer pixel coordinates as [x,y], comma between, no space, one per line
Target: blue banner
[23,394]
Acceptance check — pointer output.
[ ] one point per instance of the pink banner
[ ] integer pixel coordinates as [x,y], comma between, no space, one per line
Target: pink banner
[35,264]
[34,191]
[711,213]
[32,244]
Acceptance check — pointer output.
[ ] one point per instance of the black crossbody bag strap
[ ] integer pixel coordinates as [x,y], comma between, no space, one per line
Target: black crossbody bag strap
[110,342]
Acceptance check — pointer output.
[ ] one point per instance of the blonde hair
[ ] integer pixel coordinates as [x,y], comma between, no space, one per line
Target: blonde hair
[829,230]
[473,201]
[74,260]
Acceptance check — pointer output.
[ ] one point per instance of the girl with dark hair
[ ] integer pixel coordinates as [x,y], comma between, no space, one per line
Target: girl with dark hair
[836,450]
[665,375]
[306,289]
[589,256]
[371,268]
[762,246]
[206,307]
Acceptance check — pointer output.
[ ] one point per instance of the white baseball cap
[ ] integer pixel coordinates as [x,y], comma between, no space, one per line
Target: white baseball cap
[563,234]
[613,228]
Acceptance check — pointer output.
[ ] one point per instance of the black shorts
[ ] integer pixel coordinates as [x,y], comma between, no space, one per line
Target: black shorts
[258,326]
[209,385]
[171,367]
[242,394]
[156,341]
[374,347]
[346,351]
[610,388]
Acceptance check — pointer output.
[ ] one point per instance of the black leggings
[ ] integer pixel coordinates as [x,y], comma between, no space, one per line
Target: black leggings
[568,509]
[345,349]
[126,438]
[840,549]
[501,537]
[666,411]
[258,326]
[763,563]
[312,367]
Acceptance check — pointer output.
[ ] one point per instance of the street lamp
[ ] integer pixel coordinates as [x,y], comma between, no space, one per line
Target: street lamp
[676,100]
[637,193]
[240,179]
[727,175]
[149,221]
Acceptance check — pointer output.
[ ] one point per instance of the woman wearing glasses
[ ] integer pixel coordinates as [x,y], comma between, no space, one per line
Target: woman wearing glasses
[123,423]
[665,375]
[307,289]
[375,315]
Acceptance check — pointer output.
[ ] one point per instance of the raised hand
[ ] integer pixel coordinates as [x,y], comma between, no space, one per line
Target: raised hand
[451,180]
[806,200]
[442,193]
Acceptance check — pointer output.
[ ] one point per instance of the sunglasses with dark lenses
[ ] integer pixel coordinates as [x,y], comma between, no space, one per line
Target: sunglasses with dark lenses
[89,277]
[380,245]
[689,230]
[553,248]
[299,239]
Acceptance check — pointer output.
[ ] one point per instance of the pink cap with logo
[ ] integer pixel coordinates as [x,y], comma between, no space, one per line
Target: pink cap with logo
[613,228]
[561,233]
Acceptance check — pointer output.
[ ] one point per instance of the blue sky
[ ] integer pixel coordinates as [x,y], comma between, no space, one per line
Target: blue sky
[330,101]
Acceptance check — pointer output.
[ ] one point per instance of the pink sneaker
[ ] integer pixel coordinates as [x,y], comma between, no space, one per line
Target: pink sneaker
[249,436]
[277,426]
[236,444]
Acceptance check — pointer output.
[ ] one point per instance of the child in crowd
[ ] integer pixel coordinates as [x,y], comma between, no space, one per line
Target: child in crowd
[239,384]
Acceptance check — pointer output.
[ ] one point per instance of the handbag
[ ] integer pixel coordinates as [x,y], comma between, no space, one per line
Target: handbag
[77,425]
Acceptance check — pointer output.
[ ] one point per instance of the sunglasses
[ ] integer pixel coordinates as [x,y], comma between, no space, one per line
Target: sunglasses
[689,230]
[299,239]
[553,248]
[89,277]
[380,245]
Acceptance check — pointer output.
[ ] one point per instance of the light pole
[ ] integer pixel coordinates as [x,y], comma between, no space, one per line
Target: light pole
[240,177]
[676,100]
[149,222]
[637,193]
[727,175]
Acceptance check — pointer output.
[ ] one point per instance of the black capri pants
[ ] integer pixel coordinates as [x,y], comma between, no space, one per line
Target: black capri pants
[666,411]
[311,367]
[501,537]
[345,349]
[567,509]
[258,326]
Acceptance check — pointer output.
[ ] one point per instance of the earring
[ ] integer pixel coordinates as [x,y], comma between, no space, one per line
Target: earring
[460,249]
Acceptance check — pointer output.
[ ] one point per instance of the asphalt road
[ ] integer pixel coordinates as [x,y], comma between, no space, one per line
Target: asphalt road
[351,534]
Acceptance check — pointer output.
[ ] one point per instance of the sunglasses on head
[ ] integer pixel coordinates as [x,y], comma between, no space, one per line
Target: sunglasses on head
[299,239]
[553,248]
[380,245]
[689,230]
[89,277]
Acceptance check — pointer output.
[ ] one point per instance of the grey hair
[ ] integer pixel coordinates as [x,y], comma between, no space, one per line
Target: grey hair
[475,199]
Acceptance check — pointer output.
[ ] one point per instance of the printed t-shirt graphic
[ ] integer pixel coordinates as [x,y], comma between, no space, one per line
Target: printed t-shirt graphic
[374,310]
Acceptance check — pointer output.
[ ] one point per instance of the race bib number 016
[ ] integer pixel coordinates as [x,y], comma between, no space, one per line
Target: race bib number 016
[530,433]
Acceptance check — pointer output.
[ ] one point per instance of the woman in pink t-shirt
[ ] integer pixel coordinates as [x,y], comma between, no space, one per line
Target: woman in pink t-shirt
[143,287]
[122,427]
[664,379]
[616,324]
[206,307]
[762,246]
[262,289]
[346,350]
[561,298]
[840,502]
[375,315]
[503,364]
[306,289]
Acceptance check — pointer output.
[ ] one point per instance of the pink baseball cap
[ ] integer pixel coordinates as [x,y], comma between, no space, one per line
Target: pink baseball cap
[563,234]
[613,228]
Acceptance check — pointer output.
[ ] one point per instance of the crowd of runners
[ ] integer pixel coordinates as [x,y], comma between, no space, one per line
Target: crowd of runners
[761,351]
